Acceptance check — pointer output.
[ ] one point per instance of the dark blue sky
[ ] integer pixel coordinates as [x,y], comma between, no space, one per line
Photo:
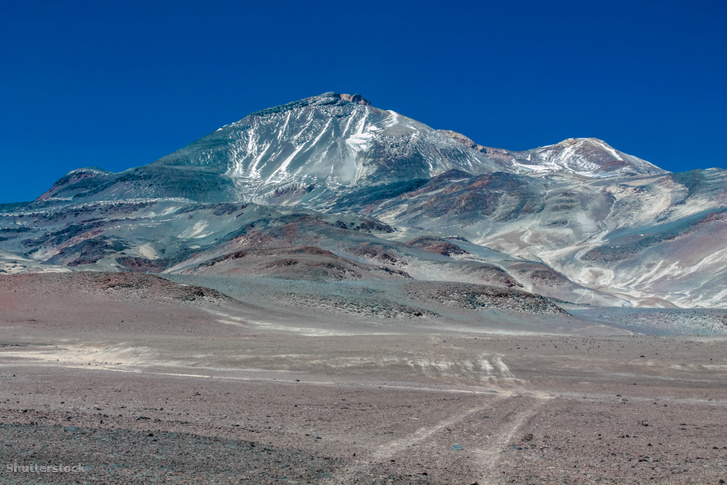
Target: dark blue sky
[120,84]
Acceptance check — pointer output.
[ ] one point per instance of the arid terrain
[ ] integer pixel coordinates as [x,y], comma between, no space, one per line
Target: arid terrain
[142,380]
[328,292]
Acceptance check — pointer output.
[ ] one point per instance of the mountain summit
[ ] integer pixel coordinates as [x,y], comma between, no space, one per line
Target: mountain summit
[321,144]
[588,157]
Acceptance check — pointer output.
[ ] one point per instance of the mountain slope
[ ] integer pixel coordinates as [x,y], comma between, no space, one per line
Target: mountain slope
[334,187]
[305,151]
[650,239]
[588,157]
[315,150]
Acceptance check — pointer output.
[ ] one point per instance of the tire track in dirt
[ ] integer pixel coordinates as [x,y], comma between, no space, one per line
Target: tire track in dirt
[384,452]
[524,409]
[392,448]
[511,413]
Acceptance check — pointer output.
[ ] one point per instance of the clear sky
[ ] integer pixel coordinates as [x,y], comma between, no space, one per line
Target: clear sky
[120,84]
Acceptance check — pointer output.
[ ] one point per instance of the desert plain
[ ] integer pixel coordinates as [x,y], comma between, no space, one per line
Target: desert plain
[139,379]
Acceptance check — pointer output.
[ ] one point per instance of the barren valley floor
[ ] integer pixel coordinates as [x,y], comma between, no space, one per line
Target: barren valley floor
[206,391]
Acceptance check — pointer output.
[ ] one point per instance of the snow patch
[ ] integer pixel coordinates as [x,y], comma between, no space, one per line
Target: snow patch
[148,252]
[194,231]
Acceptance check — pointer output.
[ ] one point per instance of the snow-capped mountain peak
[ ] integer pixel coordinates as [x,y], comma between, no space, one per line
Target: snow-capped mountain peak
[307,151]
[588,157]
[324,142]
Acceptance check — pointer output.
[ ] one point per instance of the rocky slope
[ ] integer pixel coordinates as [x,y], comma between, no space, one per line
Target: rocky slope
[331,188]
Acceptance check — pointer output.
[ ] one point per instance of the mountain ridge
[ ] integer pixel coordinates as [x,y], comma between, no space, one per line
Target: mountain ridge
[578,220]
[331,156]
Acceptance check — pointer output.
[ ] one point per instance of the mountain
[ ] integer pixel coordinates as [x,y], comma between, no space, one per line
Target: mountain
[330,190]
[589,157]
[314,150]
[650,240]
[302,151]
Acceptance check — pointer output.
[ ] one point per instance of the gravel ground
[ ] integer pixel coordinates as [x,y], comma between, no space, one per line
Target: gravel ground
[194,388]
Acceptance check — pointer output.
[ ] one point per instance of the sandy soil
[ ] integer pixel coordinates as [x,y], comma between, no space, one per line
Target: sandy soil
[140,381]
